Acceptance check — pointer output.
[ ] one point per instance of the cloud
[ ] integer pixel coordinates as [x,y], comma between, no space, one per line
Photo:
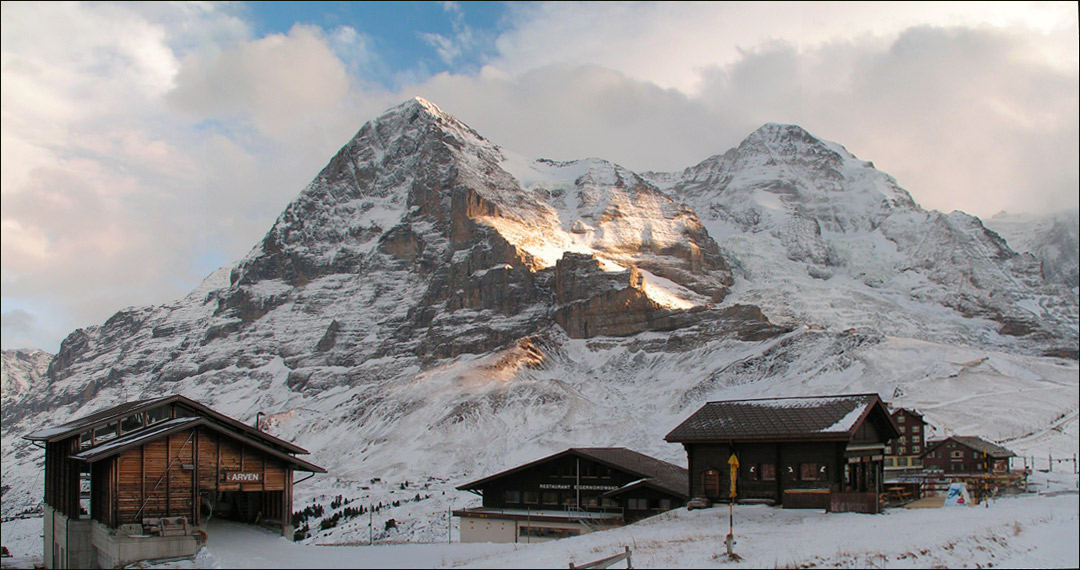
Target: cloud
[21,329]
[279,82]
[139,139]
[669,43]
[929,107]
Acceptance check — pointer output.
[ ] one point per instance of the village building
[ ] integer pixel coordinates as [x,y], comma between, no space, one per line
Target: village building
[967,455]
[134,482]
[811,452]
[905,452]
[570,493]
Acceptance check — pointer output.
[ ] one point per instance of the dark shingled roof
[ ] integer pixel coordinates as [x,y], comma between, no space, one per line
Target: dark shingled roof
[978,444]
[772,419]
[660,474]
[93,420]
[116,413]
[168,427]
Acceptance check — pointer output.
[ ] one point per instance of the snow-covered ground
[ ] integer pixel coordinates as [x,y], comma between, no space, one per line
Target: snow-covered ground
[1039,529]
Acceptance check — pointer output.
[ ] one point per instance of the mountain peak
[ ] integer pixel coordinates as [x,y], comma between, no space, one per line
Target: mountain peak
[412,109]
[793,136]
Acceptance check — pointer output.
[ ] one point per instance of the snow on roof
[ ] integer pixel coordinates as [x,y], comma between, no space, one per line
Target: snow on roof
[776,418]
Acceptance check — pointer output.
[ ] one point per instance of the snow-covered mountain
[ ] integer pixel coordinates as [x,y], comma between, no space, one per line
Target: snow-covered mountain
[434,307]
[22,370]
[1052,239]
[826,238]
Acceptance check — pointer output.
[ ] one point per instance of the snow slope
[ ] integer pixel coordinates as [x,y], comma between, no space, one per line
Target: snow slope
[401,319]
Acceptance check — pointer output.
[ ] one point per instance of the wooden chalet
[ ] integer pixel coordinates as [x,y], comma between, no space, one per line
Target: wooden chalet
[967,455]
[570,493]
[905,452]
[814,452]
[135,481]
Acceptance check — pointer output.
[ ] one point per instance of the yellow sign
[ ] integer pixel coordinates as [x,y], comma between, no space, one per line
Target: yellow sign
[734,463]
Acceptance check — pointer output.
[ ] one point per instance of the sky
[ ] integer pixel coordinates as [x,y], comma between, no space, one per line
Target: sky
[145,145]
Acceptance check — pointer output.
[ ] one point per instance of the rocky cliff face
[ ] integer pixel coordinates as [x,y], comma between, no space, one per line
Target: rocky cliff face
[21,371]
[419,240]
[433,297]
[1052,239]
[865,245]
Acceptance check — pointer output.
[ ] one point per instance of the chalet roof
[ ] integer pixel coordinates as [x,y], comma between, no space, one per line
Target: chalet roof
[662,475]
[115,413]
[976,443]
[165,428]
[910,411]
[775,419]
[93,420]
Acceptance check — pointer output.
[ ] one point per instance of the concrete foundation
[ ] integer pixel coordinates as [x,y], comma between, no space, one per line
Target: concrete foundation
[66,541]
[116,550]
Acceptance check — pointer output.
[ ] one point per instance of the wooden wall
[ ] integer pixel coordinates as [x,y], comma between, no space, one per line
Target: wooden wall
[62,477]
[787,457]
[156,480]
[164,477]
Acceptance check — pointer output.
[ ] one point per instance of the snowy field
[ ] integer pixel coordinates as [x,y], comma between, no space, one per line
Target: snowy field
[1039,529]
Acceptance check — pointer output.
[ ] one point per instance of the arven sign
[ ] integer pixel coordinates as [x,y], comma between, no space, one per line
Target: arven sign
[242,477]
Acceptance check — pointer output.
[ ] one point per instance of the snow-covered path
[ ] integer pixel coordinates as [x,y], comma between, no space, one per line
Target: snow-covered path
[236,545]
[1034,530]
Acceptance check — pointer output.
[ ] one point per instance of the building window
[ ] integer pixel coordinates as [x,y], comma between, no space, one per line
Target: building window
[903,429]
[531,497]
[546,532]
[637,504]
[156,415]
[753,472]
[888,462]
[550,498]
[915,429]
[957,454]
[665,504]
[105,433]
[710,483]
[768,471]
[915,448]
[131,423]
[512,496]
[902,440]
[888,450]
[901,418]
[811,472]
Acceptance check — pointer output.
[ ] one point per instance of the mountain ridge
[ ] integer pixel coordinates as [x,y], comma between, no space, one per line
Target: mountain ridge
[433,298]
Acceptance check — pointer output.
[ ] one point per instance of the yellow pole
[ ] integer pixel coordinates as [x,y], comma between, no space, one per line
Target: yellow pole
[733,463]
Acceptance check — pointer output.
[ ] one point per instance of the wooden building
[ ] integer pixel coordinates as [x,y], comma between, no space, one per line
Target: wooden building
[905,452]
[134,482]
[967,455]
[816,452]
[570,493]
